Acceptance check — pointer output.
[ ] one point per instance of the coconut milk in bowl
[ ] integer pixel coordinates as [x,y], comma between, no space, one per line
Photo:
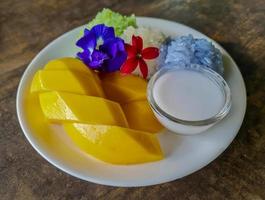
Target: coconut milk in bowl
[188,99]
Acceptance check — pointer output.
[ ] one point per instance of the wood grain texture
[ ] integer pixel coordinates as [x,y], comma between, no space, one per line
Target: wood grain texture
[239,25]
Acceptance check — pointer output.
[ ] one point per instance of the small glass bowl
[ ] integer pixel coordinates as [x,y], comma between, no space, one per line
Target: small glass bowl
[186,127]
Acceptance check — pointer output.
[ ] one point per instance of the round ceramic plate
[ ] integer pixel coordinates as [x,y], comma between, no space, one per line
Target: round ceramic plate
[183,154]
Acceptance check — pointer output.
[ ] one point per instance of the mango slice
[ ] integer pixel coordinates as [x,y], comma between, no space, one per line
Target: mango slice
[141,117]
[123,88]
[63,106]
[115,144]
[66,81]
[67,63]
[72,64]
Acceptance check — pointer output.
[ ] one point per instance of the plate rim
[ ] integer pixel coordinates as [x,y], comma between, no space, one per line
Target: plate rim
[103,181]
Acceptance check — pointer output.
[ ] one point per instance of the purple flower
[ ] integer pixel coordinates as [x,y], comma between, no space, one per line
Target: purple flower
[101,49]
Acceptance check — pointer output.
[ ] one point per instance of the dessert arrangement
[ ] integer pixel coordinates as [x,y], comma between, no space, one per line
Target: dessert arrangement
[126,85]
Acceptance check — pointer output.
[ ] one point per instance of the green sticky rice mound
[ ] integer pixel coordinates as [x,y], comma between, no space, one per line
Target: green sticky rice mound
[114,19]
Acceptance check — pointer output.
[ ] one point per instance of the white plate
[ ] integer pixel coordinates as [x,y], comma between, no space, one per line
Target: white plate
[183,154]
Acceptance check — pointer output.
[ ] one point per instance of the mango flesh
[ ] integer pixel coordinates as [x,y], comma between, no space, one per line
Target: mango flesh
[72,64]
[123,88]
[67,63]
[141,117]
[62,106]
[115,144]
[69,93]
[66,81]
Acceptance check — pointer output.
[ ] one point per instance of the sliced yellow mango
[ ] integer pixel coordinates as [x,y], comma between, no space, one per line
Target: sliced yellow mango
[67,63]
[123,88]
[72,64]
[62,106]
[115,144]
[67,81]
[141,117]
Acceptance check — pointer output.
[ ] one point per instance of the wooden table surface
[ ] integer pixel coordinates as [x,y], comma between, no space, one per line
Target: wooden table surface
[239,25]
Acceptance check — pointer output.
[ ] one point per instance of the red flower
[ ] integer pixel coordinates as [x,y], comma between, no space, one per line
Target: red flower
[136,56]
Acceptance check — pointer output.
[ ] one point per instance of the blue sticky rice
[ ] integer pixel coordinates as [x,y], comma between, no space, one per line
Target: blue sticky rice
[187,50]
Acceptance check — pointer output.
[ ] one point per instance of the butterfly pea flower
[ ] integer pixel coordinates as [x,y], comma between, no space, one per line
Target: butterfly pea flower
[102,50]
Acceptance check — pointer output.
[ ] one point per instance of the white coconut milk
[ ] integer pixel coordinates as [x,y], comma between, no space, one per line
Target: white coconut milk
[188,95]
